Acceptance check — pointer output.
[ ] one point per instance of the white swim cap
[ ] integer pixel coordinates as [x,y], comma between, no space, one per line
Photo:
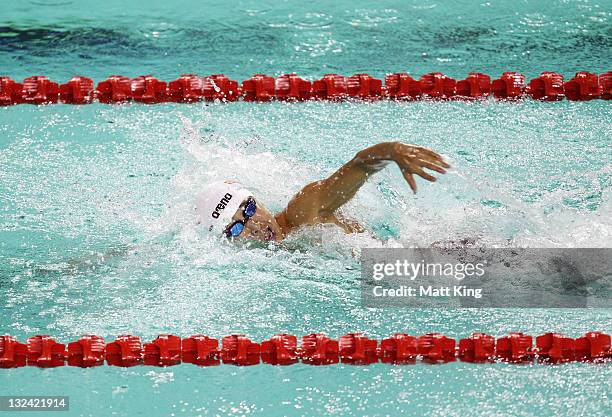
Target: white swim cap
[218,202]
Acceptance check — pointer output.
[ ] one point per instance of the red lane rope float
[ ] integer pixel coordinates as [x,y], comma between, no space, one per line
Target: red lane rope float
[316,349]
[549,86]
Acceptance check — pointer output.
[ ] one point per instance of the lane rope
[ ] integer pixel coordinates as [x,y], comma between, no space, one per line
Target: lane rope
[315,349]
[188,88]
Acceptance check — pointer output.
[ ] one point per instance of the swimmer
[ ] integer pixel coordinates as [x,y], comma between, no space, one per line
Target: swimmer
[228,209]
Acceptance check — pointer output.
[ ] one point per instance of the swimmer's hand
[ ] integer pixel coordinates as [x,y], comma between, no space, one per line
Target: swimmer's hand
[413,159]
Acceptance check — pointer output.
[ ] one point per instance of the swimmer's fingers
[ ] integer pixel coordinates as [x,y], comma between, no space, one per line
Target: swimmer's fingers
[428,154]
[420,152]
[432,166]
[423,174]
[415,166]
[410,180]
[434,157]
[440,161]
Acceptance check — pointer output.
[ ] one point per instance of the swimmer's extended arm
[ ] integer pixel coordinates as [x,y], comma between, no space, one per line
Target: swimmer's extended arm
[318,201]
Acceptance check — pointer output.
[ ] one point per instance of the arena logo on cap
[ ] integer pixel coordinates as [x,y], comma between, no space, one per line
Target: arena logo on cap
[222,204]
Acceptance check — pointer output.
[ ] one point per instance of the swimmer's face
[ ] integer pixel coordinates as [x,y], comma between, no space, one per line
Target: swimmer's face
[261,226]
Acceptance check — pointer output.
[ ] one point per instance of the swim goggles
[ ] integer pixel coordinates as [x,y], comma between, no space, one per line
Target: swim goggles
[236,227]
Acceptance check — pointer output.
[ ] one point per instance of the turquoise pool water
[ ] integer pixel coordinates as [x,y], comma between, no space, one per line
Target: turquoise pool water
[97,227]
